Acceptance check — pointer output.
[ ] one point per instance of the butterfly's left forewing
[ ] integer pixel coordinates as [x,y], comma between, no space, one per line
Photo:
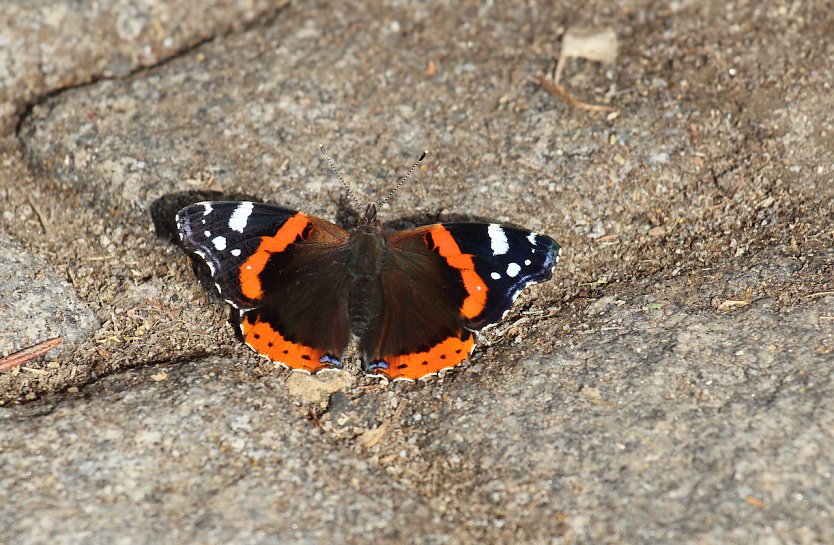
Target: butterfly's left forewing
[284,270]
[225,234]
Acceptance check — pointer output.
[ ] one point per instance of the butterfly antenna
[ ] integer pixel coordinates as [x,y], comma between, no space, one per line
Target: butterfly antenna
[404,178]
[339,175]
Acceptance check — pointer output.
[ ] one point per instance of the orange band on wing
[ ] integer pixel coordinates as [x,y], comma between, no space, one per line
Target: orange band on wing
[443,355]
[250,270]
[475,287]
[263,339]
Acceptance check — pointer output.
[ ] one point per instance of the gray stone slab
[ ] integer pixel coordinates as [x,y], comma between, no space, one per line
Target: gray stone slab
[46,45]
[35,304]
[187,454]
[686,427]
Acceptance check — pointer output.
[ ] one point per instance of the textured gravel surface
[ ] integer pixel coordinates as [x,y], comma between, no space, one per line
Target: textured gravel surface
[36,303]
[192,453]
[671,384]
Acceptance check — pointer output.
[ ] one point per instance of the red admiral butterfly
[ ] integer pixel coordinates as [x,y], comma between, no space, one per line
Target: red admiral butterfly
[414,299]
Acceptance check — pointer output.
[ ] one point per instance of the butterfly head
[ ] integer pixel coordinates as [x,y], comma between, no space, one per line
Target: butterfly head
[369,220]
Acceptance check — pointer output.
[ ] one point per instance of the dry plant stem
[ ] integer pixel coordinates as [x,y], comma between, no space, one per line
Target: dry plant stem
[557,90]
[820,294]
[28,354]
[557,74]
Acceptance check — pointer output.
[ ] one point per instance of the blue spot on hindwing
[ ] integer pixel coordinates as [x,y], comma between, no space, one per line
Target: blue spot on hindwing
[331,360]
[378,364]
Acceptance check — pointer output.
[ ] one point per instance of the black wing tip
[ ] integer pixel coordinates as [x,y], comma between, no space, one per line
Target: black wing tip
[553,250]
[550,243]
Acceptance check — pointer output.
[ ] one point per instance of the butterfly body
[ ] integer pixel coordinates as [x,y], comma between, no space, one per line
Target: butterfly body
[413,299]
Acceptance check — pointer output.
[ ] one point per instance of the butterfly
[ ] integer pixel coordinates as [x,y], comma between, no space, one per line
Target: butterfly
[413,299]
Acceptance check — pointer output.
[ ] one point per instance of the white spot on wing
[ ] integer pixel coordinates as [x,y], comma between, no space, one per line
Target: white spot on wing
[207,233]
[240,216]
[497,239]
[527,262]
[206,208]
[495,276]
[513,269]
[236,252]
[219,243]
[532,238]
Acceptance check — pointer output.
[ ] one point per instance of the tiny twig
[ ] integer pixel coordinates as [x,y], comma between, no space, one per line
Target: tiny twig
[314,418]
[520,321]
[371,438]
[39,214]
[557,90]
[557,74]
[731,304]
[28,354]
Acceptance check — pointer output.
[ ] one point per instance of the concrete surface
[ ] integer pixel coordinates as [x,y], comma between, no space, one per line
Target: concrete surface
[671,384]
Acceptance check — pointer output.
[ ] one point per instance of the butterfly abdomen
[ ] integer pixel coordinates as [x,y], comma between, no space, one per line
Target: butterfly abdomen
[366,257]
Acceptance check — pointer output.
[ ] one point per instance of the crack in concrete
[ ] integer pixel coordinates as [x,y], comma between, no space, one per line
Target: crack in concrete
[25,113]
